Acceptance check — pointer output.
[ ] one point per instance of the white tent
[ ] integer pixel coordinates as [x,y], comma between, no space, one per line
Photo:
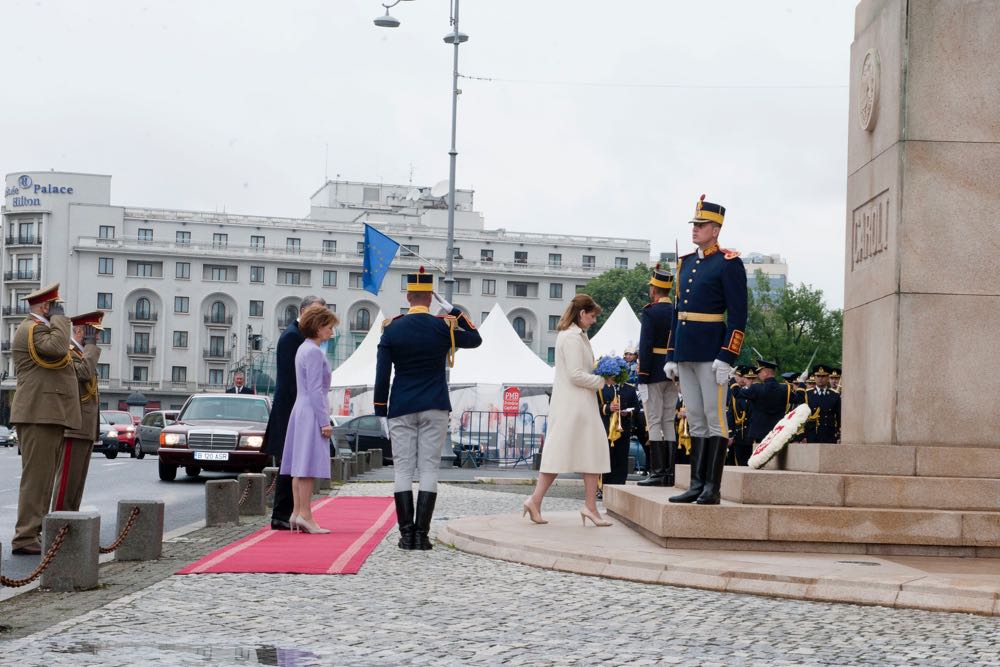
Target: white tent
[620,330]
[502,359]
[352,383]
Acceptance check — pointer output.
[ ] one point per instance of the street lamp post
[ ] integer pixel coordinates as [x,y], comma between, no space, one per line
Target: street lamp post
[455,37]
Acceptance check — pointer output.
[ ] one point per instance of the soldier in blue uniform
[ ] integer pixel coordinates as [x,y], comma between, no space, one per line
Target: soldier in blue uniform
[769,400]
[709,325]
[741,446]
[823,424]
[626,406]
[658,394]
[415,411]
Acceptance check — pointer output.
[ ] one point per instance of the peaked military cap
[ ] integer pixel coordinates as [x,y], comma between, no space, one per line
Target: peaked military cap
[789,376]
[661,278]
[419,281]
[763,363]
[835,372]
[821,369]
[708,212]
[44,295]
[92,318]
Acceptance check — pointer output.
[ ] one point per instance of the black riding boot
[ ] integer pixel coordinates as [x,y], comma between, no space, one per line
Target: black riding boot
[657,456]
[670,447]
[404,516]
[698,446]
[715,462]
[425,510]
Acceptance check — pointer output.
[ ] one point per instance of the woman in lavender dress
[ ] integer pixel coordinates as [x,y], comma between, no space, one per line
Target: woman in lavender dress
[307,440]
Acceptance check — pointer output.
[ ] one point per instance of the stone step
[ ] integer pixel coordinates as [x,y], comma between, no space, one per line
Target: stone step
[891,460]
[789,527]
[778,487]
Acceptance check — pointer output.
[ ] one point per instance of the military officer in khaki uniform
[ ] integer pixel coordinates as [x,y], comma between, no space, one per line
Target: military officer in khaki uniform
[78,444]
[46,403]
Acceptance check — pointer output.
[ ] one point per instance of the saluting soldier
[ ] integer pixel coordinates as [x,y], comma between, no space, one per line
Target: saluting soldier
[658,393]
[46,403]
[741,446]
[415,411]
[769,400]
[823,424]
[708,333]
[74,463]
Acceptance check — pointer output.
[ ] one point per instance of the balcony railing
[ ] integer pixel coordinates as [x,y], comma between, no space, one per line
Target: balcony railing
[20,309]
[141,350]
[220,355]
[222,321]
[5,346]
[24,239]
[210,386]
[358,327]
[142,316]
[22,275]
[141,384]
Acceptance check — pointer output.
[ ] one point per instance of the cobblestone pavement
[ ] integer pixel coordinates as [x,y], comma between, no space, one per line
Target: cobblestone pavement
[449,608]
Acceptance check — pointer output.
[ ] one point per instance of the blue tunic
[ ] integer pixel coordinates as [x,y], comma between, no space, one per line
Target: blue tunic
[307,452]
[657,321]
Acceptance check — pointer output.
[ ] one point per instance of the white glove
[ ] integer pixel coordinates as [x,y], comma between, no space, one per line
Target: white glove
[445,306]
[643,392]
[384,421]
[722,371]
[670,369]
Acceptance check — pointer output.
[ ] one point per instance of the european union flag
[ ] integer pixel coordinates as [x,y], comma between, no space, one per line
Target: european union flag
[380,250]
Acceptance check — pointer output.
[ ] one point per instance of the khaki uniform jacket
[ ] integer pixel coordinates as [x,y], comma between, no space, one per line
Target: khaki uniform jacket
[85,365]
[44,395]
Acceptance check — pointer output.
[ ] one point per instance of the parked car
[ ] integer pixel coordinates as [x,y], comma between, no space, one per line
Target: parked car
[6,440]
[148,437]
[221,432]
[124,427]
[359,434]
[107,443]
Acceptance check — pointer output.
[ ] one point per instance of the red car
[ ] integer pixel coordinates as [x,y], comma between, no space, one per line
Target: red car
[123,425]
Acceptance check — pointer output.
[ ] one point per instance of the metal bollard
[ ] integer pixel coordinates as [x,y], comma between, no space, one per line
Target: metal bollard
[321,485]
[374,458]
[362,462]
[145,538]
[74,567]
[253,505]
[222,497]
[336,469]
[351,465]
[269,475]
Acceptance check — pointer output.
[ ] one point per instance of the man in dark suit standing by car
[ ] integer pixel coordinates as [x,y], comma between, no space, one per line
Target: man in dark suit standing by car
[285,391]
[239,383]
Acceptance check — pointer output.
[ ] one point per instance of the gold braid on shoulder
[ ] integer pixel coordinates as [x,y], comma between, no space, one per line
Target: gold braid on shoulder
[51,365]
[452,323]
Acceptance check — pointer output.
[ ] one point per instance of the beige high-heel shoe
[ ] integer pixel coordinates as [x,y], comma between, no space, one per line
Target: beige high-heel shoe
[313,529]
[594,518]
[532,511]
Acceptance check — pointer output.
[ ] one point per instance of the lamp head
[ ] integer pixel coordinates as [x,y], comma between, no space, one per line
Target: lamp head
[387,21]
[450,38]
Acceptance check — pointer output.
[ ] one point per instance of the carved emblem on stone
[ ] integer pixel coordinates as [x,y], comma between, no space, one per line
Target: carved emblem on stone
[868,99]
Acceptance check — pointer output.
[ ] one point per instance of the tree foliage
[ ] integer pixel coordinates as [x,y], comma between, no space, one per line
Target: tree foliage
[608,289]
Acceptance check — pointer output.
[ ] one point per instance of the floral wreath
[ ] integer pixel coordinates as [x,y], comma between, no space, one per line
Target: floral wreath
[779,436]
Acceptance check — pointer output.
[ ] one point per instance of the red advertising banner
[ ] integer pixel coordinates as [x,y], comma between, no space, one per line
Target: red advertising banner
[345,408]
[511,401]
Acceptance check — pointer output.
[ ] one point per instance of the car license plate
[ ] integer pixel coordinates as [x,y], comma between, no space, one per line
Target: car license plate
[211,456]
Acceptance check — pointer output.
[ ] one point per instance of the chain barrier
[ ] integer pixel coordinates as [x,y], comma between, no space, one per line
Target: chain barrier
[246,492]
[270,489]
[121,538]
[49,557]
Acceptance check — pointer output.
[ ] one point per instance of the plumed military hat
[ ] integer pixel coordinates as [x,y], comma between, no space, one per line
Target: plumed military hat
[92,318]
[708,212]
[661,278]
[419,281]
[44,295]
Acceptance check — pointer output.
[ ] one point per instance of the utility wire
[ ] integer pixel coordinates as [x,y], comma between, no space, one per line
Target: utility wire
[675,86]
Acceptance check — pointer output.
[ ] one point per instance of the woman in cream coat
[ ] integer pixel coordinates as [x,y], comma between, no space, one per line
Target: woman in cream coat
[575,439]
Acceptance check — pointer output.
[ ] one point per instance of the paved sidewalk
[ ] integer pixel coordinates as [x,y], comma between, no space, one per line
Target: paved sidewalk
[445,607]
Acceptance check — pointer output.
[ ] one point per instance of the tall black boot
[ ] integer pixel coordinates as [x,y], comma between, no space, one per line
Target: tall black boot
[404,515]
[425,510]
[698,446]
[668,470]
[657,456]
[715,463]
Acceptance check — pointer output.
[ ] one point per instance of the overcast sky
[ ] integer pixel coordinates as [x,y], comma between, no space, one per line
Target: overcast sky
[603,118]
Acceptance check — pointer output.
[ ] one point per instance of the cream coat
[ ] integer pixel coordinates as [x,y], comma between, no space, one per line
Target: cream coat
[575,440]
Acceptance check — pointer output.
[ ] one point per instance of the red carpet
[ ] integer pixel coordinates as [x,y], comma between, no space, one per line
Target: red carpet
[357,524]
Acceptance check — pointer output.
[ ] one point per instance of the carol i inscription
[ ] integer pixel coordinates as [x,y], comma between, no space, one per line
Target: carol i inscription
[870,231]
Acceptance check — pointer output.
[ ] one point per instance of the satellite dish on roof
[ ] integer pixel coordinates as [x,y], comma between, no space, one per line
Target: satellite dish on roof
[413,194]
[440,189]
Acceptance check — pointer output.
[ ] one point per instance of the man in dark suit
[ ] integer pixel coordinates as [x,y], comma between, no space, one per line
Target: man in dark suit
[285,391]
[239,386]
[624,400]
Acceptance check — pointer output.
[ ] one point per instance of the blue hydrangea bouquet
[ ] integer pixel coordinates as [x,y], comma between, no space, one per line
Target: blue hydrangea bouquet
[612,367]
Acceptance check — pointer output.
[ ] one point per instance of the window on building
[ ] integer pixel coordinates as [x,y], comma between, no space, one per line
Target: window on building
[520,326]
[291,314]
[104,336]
[289,277]
[215,376]
[257,242]
[515,288]
[215,272]
[555,290]
[182,270]
[550,355]
[178,373]
[104,300]
[182,304]
[25,267]
[106,266]
[329,246]
[293,245]
[217,346]
[553,322]
[621,262]
[140,342]
[589,261]
[183,238]
[482,316]
[371,195]
[143,269]
[580,288]
[217,313]
[555,259]
[329,278]
[520,256]
[145,235]
[220,240]
[409,250]
[355,280]
[143,309]
[456,253]
[256,308]
[489,287]
[362,320]
[106,232]
[486,255]
[181,339]
[361,247]
[103,371]
[462,285]
[402,282]
[140,373]
[256,274]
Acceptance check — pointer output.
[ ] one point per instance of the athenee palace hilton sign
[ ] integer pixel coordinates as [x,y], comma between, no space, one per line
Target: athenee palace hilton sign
[20,194]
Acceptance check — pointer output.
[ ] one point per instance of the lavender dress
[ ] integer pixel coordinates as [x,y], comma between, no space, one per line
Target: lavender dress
[307,452]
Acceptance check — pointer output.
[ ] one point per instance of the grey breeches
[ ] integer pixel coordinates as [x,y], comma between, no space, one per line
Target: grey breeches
[660,406]
[704,399]
[417,439]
